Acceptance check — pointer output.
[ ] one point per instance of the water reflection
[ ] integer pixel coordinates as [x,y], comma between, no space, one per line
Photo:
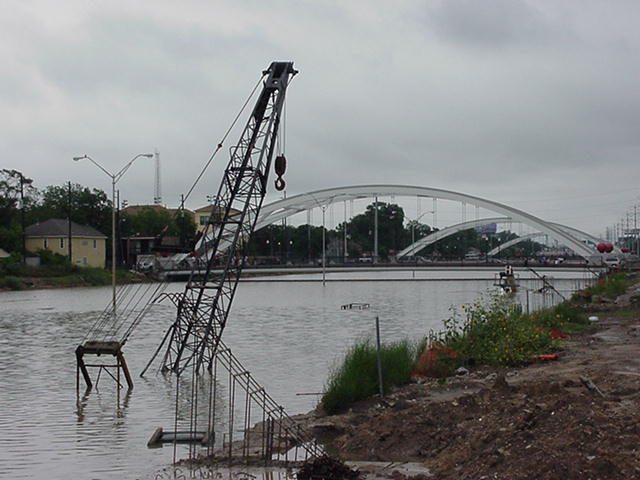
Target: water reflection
[185,473]
[121,403]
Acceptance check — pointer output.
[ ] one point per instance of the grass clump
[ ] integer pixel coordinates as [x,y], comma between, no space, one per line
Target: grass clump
[10,282]
[562,317]
[357,376]
[609,286]
[96,276]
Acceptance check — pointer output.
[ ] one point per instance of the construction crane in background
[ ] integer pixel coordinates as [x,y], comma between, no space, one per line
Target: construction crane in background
[203,308]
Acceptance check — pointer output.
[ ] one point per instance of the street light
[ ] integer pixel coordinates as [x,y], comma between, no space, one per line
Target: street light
[413,240]
[115,177]
[323,207]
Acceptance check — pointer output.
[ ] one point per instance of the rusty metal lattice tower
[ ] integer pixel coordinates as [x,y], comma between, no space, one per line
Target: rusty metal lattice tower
[203,307]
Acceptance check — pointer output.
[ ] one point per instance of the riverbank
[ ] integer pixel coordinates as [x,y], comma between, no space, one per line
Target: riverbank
[572,418]
[47,278]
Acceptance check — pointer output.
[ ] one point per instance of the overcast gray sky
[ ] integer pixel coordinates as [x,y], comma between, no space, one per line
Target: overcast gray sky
[531,103]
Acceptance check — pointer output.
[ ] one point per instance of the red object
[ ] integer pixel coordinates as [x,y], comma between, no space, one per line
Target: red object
[553,333]
[552,356]
[609,247]
[624,250]
[557,334]
[427,364]
[601,247]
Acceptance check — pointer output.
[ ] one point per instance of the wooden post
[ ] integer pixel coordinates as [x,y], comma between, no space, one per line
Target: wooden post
[83,368]
[125,369]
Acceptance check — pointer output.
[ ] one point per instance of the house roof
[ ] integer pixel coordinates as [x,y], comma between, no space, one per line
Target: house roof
[56,227]
[209,208]
[135,209]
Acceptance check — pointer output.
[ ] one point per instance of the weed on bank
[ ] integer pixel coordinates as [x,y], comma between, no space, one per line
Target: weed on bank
[491,331]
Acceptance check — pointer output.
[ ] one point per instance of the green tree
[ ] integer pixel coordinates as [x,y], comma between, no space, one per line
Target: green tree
[296,244]
[87,206]
[392,234]
[14,187]
[152,222]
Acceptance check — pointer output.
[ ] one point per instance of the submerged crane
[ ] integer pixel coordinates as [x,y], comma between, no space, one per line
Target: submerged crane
[203,307]
[194,339]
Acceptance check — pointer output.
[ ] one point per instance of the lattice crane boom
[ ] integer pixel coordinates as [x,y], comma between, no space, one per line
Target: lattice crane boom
[204,306]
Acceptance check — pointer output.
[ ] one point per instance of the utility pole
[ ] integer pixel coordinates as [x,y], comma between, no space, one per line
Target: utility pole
[285,236]
[69,221]
[324,250]
[22,219]
[183,240]
[118,233]
[309,236]
[635,226]
[375,231]
[115,177]
[346,252]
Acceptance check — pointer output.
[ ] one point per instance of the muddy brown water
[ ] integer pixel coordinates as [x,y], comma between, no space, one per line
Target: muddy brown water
[288,334]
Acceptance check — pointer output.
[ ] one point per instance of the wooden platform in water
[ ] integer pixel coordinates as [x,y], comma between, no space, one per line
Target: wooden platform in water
[98,348]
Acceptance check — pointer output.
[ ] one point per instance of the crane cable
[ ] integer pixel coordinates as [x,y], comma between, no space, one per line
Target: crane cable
[219,146]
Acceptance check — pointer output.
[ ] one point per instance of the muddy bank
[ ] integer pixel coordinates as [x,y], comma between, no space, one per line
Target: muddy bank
[574,418]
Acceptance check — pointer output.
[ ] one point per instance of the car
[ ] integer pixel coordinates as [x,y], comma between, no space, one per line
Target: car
[144,266]
[612,262]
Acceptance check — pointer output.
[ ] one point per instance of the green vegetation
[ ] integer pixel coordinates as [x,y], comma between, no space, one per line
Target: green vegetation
[491,332]
[357,377]
[497,333]
[11,283]
[151,221]
[21,205]
[609,286]
[57,271]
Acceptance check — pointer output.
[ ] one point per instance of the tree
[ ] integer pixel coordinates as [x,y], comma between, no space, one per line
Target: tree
[152,222]
[87,206]
[391,232]
[296,244]
[16,190]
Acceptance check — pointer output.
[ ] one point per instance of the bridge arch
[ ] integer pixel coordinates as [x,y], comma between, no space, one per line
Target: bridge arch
[512,242]
[447,232]
[281,209]
[427,240]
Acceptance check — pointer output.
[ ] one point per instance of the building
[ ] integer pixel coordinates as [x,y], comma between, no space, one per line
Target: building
[88,245]
[202,216]
[136,209]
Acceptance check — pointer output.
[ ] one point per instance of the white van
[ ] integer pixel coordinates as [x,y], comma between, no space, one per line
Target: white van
[612,262]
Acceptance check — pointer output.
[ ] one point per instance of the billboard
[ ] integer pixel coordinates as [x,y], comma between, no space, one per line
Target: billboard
[490,228]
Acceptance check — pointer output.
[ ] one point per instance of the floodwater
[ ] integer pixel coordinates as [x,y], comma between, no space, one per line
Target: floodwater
[288,334]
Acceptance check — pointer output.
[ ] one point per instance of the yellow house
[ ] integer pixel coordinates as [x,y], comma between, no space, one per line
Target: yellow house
[202,216]
[88,245]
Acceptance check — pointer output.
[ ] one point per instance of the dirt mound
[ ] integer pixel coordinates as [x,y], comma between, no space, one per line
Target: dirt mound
[540,423]
[326,468]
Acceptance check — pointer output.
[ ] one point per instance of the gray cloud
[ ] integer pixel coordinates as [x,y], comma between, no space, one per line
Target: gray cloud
[492,24]
[513,100]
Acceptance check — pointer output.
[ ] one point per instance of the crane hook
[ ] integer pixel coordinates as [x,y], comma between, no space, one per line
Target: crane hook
[280,168]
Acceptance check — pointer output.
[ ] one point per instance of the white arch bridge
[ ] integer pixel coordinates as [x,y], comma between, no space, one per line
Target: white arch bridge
[579,242]
[427,240]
